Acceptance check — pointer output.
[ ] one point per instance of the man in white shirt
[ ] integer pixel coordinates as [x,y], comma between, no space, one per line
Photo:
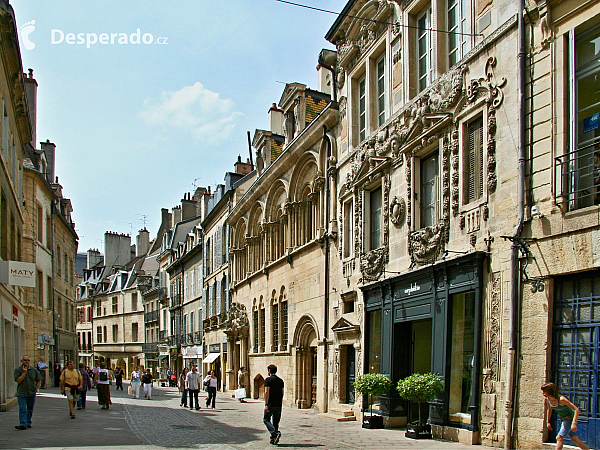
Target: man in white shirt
[192,382]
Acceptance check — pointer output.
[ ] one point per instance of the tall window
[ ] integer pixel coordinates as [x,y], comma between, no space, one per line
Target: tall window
[134,332]
[284,324]
[40,222]
[348,215]
[105,333]
[115,305]
[458,43]
[475,148]
[48,232]
[57,260]
[115,333]
[429,187]
[255,329]
[275,310]
[381,90]
[424,49]
[375,216]
[374,320]
[98,334]
[98,308]
[40,288]
[262,328]
[134,301]
[362,109]
[192,322]
[49,292]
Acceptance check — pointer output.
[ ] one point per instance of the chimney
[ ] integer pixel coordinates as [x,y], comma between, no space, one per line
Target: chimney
[117,249]
[188,207]
[276,120]
[176,214]
[142,242]
[31,96]
[93,257]
[324,80]
[165,219]
[242,168]
[50,150]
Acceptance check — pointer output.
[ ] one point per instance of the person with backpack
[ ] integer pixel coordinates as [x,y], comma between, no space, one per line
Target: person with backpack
[148,383]
[135,382]
[104,378]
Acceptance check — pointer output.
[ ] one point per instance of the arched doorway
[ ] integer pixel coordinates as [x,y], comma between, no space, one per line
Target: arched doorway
[306,340]
[259,386]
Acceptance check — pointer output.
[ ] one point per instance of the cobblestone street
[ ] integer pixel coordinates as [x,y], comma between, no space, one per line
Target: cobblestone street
[161,422]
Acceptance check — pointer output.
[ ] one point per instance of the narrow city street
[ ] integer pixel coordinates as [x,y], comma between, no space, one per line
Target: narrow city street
[161,422]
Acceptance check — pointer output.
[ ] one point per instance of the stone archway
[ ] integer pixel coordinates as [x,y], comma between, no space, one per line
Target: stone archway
[259,386]
[306,339]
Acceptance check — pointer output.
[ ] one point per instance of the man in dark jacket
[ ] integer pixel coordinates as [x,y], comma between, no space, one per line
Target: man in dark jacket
[28,382]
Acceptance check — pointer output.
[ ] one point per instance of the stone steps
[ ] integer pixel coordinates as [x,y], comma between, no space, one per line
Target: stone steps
[341,415]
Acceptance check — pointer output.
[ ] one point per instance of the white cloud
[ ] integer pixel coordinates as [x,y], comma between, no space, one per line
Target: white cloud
[204,113]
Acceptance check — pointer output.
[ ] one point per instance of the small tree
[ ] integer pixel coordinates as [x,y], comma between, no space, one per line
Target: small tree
[420,387]
[372,384]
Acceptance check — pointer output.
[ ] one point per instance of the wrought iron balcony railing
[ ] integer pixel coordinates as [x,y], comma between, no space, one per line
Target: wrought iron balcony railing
[578,177]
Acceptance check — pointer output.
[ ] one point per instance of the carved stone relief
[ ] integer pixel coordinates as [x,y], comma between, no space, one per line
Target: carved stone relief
[491,355]
[398,211]
[237,320]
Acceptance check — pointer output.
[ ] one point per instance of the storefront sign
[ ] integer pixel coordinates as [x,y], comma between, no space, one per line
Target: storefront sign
[591,123]
[414,287]
[214,348]
[45,339]
[17,273]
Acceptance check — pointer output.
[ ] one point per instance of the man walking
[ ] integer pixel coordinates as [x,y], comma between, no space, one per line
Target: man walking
[192,382]
[119,378]
[85,385]
[42,367]
[28,382]
[273,402]
[71,383]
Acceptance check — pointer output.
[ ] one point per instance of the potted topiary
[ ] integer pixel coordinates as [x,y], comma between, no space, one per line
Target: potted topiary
[372,384]
[420,387]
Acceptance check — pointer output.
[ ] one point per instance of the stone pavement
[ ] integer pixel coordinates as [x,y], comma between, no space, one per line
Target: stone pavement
[162,423]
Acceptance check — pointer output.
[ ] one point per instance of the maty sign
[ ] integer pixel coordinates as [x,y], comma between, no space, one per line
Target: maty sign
[17,273]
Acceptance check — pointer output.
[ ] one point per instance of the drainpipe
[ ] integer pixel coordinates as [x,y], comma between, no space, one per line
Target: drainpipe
[515,275]
[55,349]
[327,251]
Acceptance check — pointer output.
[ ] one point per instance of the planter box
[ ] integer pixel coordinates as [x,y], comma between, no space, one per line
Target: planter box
[416,431]
[372,422]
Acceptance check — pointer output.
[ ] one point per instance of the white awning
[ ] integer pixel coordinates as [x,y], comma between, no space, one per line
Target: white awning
[210,358]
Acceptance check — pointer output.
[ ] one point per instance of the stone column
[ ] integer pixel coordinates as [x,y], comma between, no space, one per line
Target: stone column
[231,373]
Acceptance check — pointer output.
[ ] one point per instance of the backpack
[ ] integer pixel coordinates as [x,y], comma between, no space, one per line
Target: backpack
[103,375]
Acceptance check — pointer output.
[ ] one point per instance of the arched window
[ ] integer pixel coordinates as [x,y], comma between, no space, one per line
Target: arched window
[283,318]
[255,329]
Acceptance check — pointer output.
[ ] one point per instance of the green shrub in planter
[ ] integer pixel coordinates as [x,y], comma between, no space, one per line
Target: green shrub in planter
[420,387]
[372,384]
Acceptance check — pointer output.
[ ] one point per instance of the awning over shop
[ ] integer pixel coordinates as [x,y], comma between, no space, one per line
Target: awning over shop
[161,357]
[210,358]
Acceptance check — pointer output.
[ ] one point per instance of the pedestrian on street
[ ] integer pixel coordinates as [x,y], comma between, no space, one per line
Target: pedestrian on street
[192,382]
[42,367]
[119,378]
[211,386]
[57,373]
[182,387]
[135,382]
[148,383]
[242,381]
[85,385]
[568,413]
[70,385]
[273,403]
[102,384]
[28,382]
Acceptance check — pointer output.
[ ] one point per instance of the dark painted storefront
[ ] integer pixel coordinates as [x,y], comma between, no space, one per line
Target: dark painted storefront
[428,320]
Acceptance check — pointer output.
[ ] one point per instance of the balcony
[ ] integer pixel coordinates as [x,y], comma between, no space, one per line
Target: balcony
[198,337]
[151,316]
[175,301]
[190,338]
[162,335]
[580,175]
[174,341]
[150,348]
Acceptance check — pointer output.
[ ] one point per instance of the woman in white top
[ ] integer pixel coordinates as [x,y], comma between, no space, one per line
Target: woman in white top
[135,382]
[104,378]
[211,384]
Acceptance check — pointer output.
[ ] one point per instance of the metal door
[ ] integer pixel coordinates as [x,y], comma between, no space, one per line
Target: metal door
[576,351]
[350,373]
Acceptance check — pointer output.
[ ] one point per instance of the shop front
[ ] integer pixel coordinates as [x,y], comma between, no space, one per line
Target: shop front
[192,355]
[428,320]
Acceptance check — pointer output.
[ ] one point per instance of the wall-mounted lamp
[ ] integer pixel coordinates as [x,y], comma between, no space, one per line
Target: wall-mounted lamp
[328,59]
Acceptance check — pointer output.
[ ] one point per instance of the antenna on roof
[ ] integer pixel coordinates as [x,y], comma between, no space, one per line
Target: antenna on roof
[130,228]
[194,182]
[144,219]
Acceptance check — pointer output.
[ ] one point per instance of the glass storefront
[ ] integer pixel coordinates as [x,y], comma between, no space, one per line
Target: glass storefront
[375,341]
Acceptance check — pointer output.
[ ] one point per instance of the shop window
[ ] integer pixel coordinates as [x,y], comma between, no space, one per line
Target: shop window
[581,166]
[462,349]
[429,190]
[458,27]
[348,219]
[374,321]
[424,49]
[474,157]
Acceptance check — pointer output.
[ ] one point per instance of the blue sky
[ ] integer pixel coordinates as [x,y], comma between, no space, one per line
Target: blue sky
[136,124]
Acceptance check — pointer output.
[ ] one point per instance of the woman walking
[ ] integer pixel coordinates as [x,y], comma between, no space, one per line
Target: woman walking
[211,384]
[135,382]
[242,382]
[182,387]
[119,378]
[104,378]
[87,384]
[148,383]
